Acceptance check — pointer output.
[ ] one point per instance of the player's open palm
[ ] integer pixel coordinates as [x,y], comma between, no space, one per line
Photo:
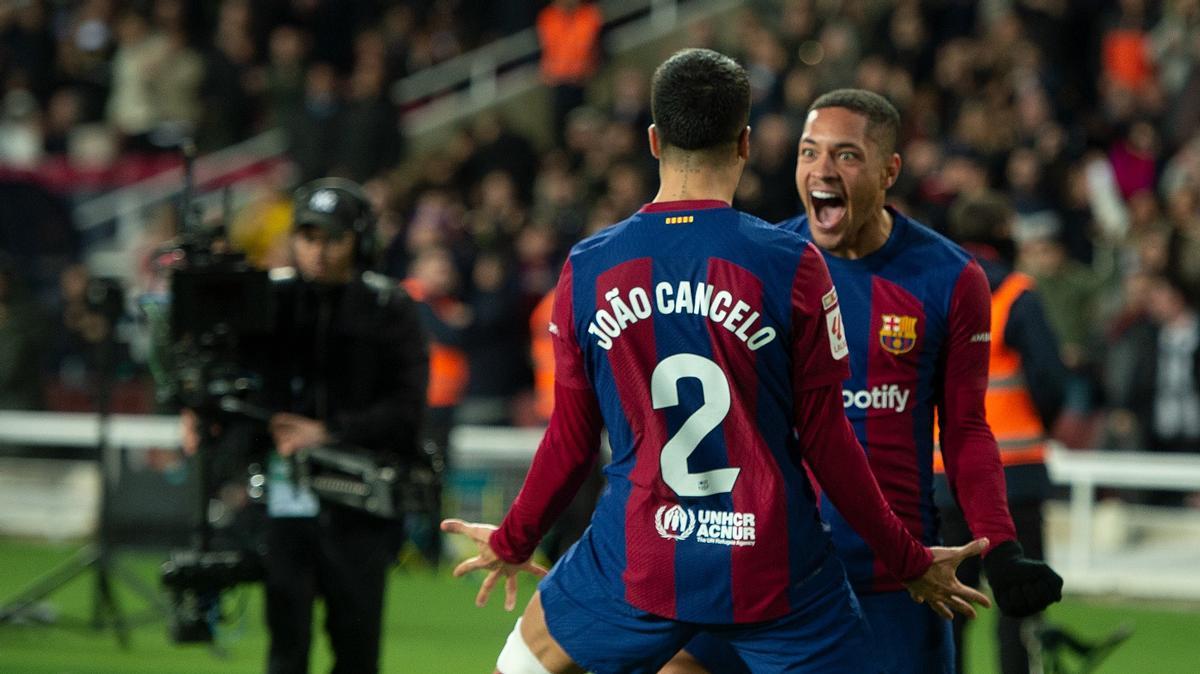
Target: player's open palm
[940,587]
[487,559]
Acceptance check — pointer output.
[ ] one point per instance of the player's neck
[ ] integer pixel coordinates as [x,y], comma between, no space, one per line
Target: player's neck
[688,178]
[870,238]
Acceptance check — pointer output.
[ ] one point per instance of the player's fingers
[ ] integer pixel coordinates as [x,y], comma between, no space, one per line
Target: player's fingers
[467,566]
[975,547]
[485,588]
[454,525]
[510,593]
[940,608]
[535,568]
[960,606]
[970,594]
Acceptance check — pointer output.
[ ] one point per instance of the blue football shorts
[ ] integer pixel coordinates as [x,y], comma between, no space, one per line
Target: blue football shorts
[604,634]
[908,638]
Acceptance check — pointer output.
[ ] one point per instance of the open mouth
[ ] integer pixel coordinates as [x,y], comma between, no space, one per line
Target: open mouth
[828,208]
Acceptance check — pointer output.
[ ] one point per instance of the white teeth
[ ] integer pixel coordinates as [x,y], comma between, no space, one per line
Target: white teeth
[821,194]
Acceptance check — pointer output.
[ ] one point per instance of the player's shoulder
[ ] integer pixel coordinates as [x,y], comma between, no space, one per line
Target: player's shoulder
[797,224]
[922,240]
[773,237]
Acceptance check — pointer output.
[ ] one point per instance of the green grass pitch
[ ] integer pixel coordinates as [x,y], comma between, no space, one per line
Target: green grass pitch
[433,627]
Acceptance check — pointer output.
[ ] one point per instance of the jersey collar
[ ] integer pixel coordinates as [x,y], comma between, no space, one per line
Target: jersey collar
[686,205]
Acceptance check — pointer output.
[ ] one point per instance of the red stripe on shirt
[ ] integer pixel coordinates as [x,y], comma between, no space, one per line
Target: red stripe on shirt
[649,574]
[891,445]
[760,573]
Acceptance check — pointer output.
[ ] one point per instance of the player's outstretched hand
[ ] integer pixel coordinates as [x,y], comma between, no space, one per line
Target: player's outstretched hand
[940,587]
[487,559]
[1022,586]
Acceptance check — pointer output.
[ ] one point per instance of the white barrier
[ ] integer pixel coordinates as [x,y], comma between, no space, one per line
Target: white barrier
[1136,572]
[473,446]
[1167,572]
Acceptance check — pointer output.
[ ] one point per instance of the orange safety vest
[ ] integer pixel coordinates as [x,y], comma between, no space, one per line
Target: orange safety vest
[569,42]
[448,373]
[541,346]
[1019,432]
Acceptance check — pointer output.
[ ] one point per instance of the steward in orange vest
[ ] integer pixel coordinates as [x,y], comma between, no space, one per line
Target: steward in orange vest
[1026,378]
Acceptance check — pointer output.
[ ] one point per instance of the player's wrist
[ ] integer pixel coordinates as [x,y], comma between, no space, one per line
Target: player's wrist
[1001,555]
[501,548]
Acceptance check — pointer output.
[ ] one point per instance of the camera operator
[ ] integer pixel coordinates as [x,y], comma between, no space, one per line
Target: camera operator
[346,364]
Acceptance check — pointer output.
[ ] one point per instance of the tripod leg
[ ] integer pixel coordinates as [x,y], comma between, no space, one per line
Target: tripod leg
[105,607]
[154,598]
[43,587]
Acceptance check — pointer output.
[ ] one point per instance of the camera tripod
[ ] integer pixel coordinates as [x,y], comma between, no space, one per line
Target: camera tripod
[97,556]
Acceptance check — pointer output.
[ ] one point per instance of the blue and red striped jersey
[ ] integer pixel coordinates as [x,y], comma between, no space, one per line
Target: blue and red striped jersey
[917,319]
[695,324]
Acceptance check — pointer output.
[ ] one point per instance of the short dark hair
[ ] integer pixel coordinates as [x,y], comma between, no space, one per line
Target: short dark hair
[883,120]
[700,100]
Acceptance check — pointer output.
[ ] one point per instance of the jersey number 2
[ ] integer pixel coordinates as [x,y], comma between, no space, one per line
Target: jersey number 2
[664,392]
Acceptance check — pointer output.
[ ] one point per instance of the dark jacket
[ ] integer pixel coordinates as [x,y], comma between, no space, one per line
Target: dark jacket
[1137,388]
[354,356]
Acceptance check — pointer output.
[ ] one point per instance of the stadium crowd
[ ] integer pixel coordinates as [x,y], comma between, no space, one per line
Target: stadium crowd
[1084,115]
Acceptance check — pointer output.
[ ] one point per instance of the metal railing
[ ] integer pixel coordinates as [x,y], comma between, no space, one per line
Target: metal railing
[137,197]
[454,90]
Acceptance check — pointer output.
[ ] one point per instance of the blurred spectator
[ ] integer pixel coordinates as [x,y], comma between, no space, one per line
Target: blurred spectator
[20,132]
[64,112]
[37,233]
[1068,288]
[315,128]
[284,74]
[1133,159]
[497,147]
[569,33]
[230,79]
[21,340]
[496,375]
[631,99]
[768,186]
[370,142]
[1161,390]
[156,78]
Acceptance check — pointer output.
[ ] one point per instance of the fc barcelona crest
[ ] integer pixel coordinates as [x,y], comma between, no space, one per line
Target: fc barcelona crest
[898,334]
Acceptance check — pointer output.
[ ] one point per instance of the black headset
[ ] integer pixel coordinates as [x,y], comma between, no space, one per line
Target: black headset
[363,224]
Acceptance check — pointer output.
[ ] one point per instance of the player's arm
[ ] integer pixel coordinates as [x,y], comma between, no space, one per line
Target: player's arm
[973,468]
[969,449]
[827,443]
[562,462]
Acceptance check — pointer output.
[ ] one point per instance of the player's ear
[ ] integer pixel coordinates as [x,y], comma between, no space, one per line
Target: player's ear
[743,144]
[655,148]
[891,171]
